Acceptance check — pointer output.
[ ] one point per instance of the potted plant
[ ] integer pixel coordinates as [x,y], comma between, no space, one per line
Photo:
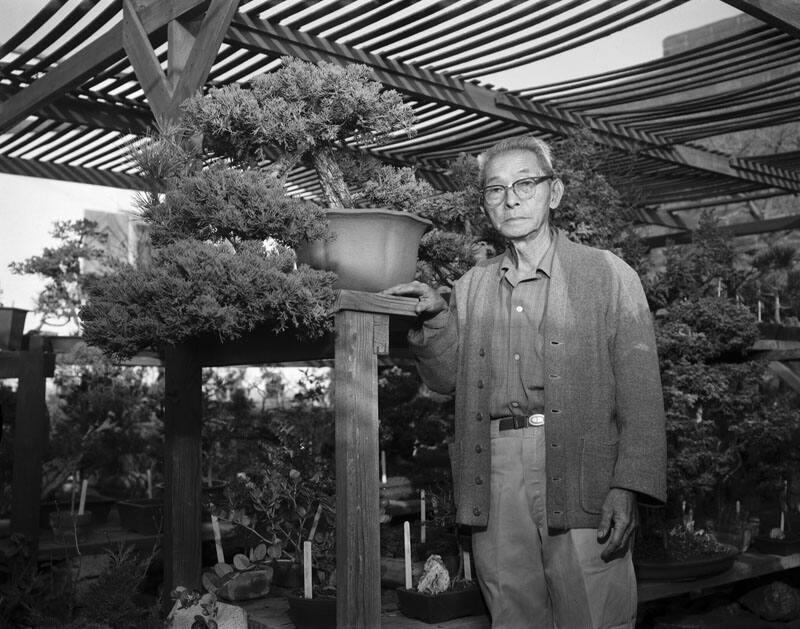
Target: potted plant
[211,272]
[303,110]
[12,326]
[438,598]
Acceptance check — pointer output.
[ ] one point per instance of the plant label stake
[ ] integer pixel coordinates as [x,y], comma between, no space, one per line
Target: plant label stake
[150,483]
[407,552]
[217,539]
[314,525]
[422,515]
[384,478]
[82,504]
[307,589]
[467,565]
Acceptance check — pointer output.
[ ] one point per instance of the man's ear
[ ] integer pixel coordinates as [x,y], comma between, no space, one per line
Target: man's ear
[556,192]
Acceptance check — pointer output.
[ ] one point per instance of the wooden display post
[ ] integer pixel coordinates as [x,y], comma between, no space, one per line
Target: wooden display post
[30,366]
[361,334]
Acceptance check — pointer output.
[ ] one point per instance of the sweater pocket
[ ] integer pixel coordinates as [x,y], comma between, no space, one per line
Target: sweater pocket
[597,469]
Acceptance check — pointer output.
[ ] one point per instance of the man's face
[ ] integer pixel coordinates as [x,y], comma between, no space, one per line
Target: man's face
[513,217]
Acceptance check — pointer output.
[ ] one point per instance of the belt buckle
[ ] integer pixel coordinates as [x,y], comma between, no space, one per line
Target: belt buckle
[537,419]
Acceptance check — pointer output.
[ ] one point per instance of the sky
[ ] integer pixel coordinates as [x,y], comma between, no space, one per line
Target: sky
[29,206]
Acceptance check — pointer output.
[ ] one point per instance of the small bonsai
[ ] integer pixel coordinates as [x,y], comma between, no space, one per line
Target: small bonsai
[64,291]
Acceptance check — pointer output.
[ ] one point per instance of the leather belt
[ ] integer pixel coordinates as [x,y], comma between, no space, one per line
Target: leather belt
[519,421]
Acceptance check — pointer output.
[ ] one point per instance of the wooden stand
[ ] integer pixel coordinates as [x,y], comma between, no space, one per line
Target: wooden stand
[30,366]
[362,333]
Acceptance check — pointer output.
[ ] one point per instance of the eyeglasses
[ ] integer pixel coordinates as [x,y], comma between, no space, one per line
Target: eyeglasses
[523,188]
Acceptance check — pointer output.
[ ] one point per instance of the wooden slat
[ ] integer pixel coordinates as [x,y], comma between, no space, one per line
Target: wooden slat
[375,302]
[739,229]
[358,600]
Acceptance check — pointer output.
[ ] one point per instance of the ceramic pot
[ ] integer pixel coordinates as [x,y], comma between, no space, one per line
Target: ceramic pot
[685,570]
[70,526]
[312,613]
[144,516]
[12,326]
[99,506]
[788,546]
[371,249]
[433,608]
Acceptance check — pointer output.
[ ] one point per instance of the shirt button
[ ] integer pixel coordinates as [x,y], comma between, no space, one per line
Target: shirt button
[519,309]
[515,404]
[516,356]
[476,511]
[479,416]
[478,480]
[478,448]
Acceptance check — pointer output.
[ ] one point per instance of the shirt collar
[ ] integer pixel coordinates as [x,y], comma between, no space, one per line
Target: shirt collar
[508,261]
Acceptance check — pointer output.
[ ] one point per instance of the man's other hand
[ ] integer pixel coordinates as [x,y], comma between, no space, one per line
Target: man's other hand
[429,301]
[619,519]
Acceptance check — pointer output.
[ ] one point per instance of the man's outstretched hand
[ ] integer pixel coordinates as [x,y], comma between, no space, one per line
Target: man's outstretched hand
[620,517]
[430,302]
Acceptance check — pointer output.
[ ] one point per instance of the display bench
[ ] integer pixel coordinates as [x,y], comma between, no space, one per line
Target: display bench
[364,325]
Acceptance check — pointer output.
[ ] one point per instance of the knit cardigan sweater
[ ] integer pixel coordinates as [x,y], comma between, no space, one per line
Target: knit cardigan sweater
[604,412]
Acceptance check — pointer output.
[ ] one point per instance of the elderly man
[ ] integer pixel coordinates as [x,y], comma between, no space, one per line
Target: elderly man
[550,351]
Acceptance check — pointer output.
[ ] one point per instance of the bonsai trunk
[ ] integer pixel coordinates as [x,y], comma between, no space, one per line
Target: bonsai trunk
[282,166]
[330,177]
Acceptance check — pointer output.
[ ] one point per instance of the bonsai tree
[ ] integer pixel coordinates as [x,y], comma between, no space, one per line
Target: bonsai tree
[300,110]
[64,291]
[212,271]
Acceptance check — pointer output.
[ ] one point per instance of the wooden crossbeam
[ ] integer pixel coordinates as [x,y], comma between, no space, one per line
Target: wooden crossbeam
[190,39]
[77,174]
[782,14]
[782,223]
[262,36]
[95,56]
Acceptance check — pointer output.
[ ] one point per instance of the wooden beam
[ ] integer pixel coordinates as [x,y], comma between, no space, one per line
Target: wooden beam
[358,600]
[183,410]
[782,223]
[189,39]
[782,14]
[96,55]
[77,174]
[263,36]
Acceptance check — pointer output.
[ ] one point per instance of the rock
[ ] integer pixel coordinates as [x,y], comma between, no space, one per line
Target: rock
[776,601]
[227,616]
[244,586]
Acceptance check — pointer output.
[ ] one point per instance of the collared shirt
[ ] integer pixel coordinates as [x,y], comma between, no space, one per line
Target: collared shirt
[517,366]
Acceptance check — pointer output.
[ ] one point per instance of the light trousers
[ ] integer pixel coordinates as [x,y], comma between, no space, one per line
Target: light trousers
[535,578]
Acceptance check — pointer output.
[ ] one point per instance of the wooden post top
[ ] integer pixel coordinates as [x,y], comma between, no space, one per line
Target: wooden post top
[377,303]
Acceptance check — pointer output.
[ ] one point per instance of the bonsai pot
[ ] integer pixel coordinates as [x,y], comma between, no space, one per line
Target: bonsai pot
[312,613]
[12,326]
[66,344]
[70,526]
[144,516]
[684,569]
[289,574]
[99,506]
[788,546]
[371,249]
[432,608]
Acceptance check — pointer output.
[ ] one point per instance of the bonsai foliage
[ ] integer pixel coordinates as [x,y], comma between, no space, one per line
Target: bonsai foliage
[211,272]
[300,110]
[593,210]
[65,287]
[721,416]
